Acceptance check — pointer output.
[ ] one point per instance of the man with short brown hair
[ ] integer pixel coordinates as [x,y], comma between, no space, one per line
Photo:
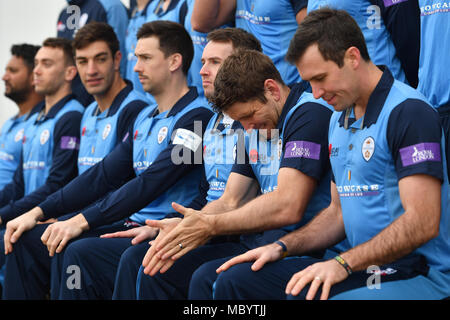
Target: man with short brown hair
[50,144]
[105,123]
[286,151]
[389,192]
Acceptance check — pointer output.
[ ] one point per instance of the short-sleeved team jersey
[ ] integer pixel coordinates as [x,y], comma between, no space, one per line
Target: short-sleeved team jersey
[11,138]
[434,78]
[398,136]
[274,24]
[301,143]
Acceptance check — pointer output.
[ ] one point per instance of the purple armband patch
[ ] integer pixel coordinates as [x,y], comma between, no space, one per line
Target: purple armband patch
[302,149]
[70,143]
[388,3]
[421,152]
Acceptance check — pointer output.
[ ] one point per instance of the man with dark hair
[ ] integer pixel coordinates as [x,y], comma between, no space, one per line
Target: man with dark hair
[219,141]
[50,144]
[104,124]
[433,76]
[77,14]
[286,156]
[388,193]
[19,88]
[169,41]
[151,166]
[332,44]
[51,137]
[200,40]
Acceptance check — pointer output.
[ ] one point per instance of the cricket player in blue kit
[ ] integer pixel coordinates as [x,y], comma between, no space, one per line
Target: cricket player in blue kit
[51,141]
[108,119]
[389,194]
[18,80]
[154,164]
[147,11]
[272,22]
[77,14]
[434,80]
[279,164]
[105,122]
[219,149]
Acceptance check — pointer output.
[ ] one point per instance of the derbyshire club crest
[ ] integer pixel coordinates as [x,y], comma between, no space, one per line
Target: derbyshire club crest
[162,134]
[368,148]
[19,135]
[44,136]
[106,131]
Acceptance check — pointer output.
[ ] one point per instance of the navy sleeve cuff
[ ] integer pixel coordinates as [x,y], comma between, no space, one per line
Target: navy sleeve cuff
[50,208]
[7,214]
[298,5]
[306,140]
[94,217]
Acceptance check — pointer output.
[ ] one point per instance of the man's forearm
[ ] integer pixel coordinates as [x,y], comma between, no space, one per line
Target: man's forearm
[268,211]
[394,242]
[218,206]
[324,231]
[420,196]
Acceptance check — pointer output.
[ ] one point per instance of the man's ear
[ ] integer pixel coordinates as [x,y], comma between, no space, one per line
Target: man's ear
[353,57]
[71,72]
[117,59]
[273,89]
[175,62]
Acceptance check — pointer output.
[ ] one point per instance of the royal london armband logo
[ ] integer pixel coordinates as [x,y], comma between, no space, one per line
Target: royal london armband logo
[421,152]
[70,143]
[302,149]
[388,3]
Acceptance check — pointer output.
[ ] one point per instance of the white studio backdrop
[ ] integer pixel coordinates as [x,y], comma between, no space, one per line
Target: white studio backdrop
[24,21]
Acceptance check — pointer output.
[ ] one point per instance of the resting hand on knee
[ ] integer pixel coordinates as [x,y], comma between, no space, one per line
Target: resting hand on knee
[16,227]
[58,234]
